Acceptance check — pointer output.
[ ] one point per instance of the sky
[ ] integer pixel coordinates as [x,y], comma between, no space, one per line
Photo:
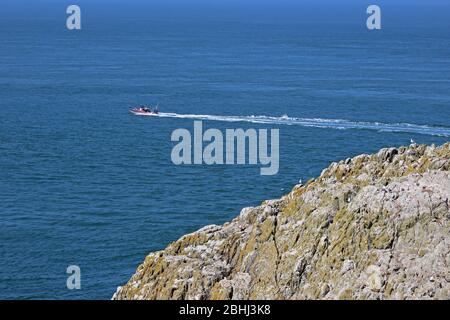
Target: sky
[216,9]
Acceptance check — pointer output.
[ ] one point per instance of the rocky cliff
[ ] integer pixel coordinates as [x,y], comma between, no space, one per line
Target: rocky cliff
[371,227]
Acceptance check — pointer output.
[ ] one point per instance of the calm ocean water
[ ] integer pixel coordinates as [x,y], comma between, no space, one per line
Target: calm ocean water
[84,182]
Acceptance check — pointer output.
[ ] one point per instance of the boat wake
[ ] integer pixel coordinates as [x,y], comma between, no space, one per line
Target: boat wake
[339,124]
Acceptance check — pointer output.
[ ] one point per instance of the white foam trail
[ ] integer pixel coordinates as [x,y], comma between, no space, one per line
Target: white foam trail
[339,124]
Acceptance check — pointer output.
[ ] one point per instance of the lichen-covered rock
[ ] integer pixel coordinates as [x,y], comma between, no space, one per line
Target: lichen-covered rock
[372,227]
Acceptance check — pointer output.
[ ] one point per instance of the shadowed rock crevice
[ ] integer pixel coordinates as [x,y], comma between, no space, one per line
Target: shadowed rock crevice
[370,227]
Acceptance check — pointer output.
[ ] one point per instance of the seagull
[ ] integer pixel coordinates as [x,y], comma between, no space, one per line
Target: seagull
[412,141]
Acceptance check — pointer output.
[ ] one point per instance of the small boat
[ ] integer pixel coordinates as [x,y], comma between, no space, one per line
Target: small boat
[144,111]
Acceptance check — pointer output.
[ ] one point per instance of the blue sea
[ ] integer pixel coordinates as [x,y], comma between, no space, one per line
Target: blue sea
[84,182]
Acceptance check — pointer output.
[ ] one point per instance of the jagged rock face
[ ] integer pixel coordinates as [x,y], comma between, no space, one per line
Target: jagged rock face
[372,227]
